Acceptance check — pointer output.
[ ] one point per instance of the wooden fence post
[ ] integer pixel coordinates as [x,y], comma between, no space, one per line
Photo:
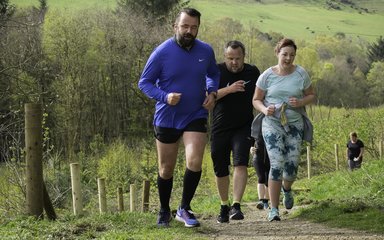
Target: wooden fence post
[120,199]
[309,161]
[77,197]
[102,195]
[132,194]
[34,156]
[337,156]
[145,199]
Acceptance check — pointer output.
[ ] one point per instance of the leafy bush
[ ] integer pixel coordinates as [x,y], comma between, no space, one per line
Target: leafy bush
[120,166]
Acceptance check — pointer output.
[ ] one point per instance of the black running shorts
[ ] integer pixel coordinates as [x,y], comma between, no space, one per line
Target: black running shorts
[172,135]
[235,141]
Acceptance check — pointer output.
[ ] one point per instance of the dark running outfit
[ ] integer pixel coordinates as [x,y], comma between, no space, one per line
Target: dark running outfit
[193,73]
[261,162]
[231,121]
[354,150]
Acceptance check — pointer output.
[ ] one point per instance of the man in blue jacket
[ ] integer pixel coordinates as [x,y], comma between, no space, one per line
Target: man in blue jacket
[182,76]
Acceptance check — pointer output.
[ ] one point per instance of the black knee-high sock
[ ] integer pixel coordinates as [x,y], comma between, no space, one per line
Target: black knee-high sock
[165,188]
[191,181]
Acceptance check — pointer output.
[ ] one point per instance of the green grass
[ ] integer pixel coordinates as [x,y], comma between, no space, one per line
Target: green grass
[107,226]
[339,199]
[346,199]
[296,20]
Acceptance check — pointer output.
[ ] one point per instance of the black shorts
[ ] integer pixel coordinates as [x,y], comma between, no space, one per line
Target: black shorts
[237,141]
[172,135]
[261,162]
[354,164]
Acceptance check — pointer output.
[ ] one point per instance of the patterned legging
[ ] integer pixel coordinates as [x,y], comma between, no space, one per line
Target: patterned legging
[283,148]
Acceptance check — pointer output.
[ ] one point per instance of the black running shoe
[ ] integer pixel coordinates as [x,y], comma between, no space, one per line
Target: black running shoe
[260,205]
[164,218]
[235,212]
[224,214]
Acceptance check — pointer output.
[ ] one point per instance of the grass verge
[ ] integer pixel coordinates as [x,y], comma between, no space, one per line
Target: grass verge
[352,200]
[125,225]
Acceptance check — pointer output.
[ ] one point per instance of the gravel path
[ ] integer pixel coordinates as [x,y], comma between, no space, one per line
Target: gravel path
[256,226]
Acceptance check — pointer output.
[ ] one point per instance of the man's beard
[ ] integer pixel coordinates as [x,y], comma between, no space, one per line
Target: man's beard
[186,40]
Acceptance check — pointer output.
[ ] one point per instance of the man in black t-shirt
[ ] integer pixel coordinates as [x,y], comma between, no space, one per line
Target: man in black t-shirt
[231,128]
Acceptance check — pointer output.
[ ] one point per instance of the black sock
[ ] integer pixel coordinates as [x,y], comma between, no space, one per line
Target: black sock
[264,200]
[165,188]
[191,181]
[286,190]
[236,205]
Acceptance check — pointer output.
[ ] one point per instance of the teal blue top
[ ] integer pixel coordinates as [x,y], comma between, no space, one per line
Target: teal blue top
[278,89]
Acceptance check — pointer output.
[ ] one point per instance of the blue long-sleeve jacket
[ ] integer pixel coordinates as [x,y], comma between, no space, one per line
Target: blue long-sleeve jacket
[193,73]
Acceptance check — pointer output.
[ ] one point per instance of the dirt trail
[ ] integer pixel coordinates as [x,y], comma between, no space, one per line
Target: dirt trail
[256,226]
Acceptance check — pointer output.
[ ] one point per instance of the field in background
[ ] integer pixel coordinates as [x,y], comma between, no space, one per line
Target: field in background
[300,20]
[295,19]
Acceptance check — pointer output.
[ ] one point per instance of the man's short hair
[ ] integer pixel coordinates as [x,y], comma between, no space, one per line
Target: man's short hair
[234,44]
[190,12]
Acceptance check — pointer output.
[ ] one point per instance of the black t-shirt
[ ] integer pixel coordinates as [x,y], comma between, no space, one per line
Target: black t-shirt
[235,110]
[354,148]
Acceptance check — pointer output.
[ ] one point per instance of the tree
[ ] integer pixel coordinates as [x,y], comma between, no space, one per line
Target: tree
[151,9]
[376,83]
[219,32]
[376,51]
[309,59]
[24,73]
[6,11]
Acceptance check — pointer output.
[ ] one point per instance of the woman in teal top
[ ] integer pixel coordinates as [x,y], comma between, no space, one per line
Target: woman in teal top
[281,93]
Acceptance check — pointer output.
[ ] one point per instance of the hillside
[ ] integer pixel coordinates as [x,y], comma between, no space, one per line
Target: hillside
[300,19]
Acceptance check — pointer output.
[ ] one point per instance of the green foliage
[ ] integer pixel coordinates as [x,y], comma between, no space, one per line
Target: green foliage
[376,83]
[84,66]
[107,226]
[333,125]
[11,192]
[344,198]
[364,184]
[120,166]
[311,19]
[89,62]
[309,59]
[151,9]
[71,5]
[358,192]
[338,215]
[376,50]
[6,10]
[220,32]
